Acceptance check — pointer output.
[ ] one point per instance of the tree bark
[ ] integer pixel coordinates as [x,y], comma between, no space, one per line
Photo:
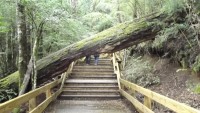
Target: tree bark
[35,53]
[21,33]
[111,40]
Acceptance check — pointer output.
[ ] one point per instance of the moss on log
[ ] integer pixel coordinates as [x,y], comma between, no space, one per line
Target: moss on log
[111,40]
[10,81]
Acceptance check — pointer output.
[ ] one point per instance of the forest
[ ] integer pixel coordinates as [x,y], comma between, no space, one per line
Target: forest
[37,35]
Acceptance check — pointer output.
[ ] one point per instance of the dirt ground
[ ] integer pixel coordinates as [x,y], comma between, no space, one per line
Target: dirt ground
[174,83]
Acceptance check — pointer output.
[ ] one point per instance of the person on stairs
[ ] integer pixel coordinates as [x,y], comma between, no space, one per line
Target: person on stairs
[96,58]
[87,59]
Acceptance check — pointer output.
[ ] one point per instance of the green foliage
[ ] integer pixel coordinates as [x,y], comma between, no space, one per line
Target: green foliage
[196,65]
[171,6]
[140,71]
[197,89]
[166,34]
[98,21]
[7,95]
[104,25]
[3,26]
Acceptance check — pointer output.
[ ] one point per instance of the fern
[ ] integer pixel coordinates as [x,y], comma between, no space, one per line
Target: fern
[7,95]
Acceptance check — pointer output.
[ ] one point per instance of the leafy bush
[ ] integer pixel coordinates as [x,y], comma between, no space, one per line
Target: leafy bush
[196,66]
[140,72]
[166,34]
[172,6]
[197,89]
[7,94]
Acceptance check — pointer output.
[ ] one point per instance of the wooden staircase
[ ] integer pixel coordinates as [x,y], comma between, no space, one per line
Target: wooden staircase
[91,82]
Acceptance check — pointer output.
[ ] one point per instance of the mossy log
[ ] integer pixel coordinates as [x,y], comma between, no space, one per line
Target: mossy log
[10,81]
[111,40]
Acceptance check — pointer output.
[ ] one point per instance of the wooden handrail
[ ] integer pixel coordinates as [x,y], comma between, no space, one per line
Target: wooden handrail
[116,69]
[165,101]
[16,102]
[149,96]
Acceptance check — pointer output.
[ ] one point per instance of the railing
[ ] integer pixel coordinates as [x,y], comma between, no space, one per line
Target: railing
[149,96]
[30,97]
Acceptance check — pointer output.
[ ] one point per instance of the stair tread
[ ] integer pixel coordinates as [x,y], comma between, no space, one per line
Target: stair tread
[91,91]
[92,81]
[92,66]
[96,73]
[93,76]
[94,70]
[89,81]
[90,86]
[114,95]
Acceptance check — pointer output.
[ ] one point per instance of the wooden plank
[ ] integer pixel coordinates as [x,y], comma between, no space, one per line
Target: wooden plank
[41,107]
[5,107]
[48,93]
[165,101]
[32,104]
[116,70]
[50,97]
[147,102]
[9,105]
[135,102]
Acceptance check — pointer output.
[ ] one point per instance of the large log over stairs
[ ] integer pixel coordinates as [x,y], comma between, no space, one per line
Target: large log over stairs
[91,82]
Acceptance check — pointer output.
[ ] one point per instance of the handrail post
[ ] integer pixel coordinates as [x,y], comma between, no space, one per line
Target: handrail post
[116,70]
[48,93]
[32,104]
[147,102]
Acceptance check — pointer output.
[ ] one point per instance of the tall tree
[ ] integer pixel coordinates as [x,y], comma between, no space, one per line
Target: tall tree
[22,39]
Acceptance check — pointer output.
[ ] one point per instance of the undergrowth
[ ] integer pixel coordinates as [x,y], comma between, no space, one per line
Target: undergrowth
[7,94]
[140,72]
[197,89]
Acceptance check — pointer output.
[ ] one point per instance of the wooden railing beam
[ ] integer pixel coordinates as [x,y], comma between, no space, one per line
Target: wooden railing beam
[31,96]
[165,101]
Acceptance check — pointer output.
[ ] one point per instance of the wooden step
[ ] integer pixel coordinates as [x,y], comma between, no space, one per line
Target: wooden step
[92,77]
[90,81]
[93,70]
[90,84]
[93,67]
[92,64]
[89,92]
[93,73]
[92,87]
[88,97]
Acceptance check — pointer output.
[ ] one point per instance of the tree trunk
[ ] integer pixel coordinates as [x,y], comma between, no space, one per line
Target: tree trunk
[111,40]
[35,53]
[21,33]
[118,14]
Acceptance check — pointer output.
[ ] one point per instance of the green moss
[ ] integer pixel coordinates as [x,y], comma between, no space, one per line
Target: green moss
[197,89]
[16,110]
[10,80]
[196,66]
[184,63]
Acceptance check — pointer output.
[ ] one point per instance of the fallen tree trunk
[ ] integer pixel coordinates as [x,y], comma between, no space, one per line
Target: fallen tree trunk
[111,40]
